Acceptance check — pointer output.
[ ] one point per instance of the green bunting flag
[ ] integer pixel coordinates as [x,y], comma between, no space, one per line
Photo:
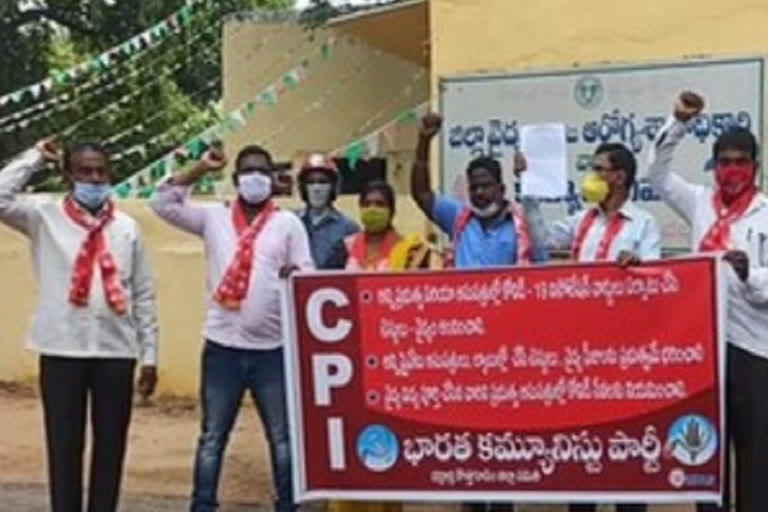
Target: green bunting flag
[123,190]
[269,97]
[291,79]
[353,152]
[157,171]
[195,148]
[408,116]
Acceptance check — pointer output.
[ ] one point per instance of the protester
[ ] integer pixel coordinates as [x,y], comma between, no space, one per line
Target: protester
[613,229]
[732,218]
[95,317]
[249,246]
[326,226]
[370,250]
[491,231]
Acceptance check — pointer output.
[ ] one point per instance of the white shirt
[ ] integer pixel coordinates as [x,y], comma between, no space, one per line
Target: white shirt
[60,328]
[639,234]
[747,301]
[283,241]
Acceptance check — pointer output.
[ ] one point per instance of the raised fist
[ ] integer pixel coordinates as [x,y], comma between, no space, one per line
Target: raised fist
[214,159]
[49,149]
[688,105]
[430,125]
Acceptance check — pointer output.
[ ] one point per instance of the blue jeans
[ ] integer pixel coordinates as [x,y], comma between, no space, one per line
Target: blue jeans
[226,374]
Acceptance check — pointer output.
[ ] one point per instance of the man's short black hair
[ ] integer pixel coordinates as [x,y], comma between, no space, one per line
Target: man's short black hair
[488,163]
[253,150]
[79,147]
[379,186]
[621,157]
[737,138]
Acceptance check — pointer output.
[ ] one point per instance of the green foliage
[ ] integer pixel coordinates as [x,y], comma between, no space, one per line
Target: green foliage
[148,102]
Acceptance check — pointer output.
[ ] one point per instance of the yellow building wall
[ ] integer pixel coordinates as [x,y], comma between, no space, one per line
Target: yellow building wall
[494,35]
[178,263]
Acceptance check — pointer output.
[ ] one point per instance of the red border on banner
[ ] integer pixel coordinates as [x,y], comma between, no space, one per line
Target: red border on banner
[415,397]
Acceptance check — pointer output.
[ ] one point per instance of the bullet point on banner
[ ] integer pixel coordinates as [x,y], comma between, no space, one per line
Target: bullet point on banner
[372,361]
[366,296]
[373,397]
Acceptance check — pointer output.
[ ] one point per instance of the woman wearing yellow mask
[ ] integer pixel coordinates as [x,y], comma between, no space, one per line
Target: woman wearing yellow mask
[370,249]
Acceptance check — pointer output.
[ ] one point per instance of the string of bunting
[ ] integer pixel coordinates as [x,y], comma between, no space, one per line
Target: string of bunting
[284,55]
[407,91]
[119,102]
[90,88]
[370,143]
[154,35]
[339,84]
[163,138]
[142,183]
[126,99]
[142,126]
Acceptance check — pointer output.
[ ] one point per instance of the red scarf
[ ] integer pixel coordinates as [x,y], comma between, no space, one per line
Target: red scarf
[94,250]
[719,234]
[234,285]
[611,232]
[357,249]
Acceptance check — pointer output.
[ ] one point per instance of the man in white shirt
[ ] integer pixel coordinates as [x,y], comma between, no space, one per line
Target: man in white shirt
[250,245]
[614,229]
[732,217]
[95,316]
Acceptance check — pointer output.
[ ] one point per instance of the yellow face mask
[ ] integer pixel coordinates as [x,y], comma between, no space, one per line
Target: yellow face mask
[375,219]
[594,189]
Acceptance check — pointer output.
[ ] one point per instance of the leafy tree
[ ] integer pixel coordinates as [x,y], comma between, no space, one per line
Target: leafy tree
[144,104]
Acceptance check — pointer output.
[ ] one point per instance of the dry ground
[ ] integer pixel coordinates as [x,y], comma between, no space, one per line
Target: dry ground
[159,460]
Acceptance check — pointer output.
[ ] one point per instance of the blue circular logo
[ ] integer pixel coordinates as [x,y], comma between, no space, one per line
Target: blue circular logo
[377,448]
[692,440]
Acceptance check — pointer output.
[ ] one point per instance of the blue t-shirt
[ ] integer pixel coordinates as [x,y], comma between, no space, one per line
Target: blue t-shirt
[491,246]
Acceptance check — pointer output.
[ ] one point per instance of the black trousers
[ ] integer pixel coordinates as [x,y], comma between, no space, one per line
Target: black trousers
[747,429]
[487,507]
[66,385]
[624,507]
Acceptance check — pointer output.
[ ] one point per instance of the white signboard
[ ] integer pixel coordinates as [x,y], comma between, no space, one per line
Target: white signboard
[484,115]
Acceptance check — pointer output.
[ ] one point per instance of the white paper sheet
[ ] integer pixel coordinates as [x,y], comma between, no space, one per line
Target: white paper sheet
[545,150]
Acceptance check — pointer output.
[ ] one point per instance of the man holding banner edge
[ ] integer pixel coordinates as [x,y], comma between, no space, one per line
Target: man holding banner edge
[732,217]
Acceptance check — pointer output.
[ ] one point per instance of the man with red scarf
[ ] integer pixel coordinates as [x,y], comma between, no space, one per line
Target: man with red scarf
[732,218]
[95,317]
[250,244]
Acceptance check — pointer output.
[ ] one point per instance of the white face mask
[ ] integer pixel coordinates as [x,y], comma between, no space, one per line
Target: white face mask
[255,188]
[318,194]
[487,212]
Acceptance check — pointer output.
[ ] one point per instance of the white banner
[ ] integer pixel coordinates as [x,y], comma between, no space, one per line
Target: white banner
[484,114]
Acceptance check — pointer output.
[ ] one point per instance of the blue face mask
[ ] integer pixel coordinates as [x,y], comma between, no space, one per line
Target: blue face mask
[91,195]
